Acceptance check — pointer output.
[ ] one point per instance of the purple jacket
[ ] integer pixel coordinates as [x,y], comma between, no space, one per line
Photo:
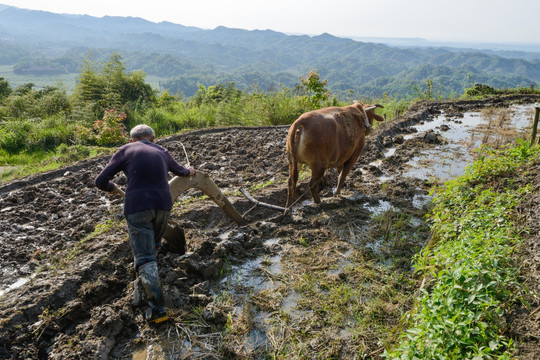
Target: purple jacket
[146,166]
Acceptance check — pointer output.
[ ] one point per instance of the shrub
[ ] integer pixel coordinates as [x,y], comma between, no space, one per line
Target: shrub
[313,90]
[109,131]
[69,153]
[13,136]
[281,108]
[479,90]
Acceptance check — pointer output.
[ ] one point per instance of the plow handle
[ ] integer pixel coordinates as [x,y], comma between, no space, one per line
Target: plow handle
[202,181]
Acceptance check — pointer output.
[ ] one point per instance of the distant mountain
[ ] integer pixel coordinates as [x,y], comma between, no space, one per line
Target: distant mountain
[186,56]
[519,48]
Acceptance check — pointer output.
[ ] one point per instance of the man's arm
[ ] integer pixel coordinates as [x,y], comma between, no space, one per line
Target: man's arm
[178,169]
[103,180]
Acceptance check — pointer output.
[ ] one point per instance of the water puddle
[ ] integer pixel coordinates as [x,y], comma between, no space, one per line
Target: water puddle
[381,207]
[289,305]
[257,274]
[271,243]
[456,130]
[390,152]
[170,348]
[17,284]
[439,164]
[342,263]
[420,200]
[462,136]
[106,201]
[256,337]
[522,116]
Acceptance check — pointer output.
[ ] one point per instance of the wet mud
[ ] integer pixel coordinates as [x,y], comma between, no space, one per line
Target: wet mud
[67,283]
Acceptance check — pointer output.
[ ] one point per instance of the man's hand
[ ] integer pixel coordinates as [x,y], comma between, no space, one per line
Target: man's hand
[192,172]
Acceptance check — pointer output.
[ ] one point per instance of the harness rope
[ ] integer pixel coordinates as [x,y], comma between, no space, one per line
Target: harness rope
[263,180]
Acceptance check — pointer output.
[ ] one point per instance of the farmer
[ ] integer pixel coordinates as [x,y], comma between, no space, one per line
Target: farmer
[147,205]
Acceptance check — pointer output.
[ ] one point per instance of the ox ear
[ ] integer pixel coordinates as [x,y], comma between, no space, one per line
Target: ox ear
[370,111]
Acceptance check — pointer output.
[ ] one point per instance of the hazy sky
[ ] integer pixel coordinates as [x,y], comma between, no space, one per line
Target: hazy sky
[497,21]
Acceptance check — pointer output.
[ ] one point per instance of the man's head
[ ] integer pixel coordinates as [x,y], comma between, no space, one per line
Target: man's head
[141,132]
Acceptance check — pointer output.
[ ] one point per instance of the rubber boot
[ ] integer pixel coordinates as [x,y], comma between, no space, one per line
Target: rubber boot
[138,292]
[154,295]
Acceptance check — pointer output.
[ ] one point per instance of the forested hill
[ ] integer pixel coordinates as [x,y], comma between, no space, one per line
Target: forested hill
[41,42]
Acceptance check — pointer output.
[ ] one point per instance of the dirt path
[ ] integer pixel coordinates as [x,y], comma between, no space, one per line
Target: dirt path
[239,292]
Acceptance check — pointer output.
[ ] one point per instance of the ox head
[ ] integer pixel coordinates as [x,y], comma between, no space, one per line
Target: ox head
[370,111]
[371,116]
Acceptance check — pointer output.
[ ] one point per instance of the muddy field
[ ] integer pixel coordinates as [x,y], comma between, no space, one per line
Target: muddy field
[255,291]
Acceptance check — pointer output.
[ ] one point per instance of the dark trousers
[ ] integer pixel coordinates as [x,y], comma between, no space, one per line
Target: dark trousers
[146,228]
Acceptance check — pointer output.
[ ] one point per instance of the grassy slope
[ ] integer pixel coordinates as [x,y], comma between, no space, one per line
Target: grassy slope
[470,267]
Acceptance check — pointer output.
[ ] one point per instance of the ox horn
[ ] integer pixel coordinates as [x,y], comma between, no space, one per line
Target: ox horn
[373,107]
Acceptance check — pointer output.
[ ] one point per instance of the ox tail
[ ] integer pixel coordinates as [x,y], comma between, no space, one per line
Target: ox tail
[292,155]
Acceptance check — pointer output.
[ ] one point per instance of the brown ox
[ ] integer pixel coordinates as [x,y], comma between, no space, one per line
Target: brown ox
[327,138]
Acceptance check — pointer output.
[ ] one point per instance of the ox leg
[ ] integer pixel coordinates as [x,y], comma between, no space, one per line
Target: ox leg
[316,177]
[293,179]
[343,174]
[339,170]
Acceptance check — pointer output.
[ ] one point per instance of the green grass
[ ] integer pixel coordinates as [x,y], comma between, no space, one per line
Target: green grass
[14,166]
[360,300]
[471,274]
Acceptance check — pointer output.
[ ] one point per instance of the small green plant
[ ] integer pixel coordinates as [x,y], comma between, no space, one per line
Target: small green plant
[266,261]
[47,318]
[226,269]
[263,185]
[101,229]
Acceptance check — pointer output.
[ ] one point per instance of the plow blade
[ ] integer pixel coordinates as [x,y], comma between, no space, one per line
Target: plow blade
[175,240]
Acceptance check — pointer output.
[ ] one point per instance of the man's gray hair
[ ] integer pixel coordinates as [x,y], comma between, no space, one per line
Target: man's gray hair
[141,132]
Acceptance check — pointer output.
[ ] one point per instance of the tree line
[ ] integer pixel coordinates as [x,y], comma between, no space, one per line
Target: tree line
[51,126]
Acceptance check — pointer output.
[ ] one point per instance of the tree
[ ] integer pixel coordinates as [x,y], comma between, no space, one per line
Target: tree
[23,89]
[313,89]
[111,87]
[51,100]
[5,89]
[216,93]
[89,88]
